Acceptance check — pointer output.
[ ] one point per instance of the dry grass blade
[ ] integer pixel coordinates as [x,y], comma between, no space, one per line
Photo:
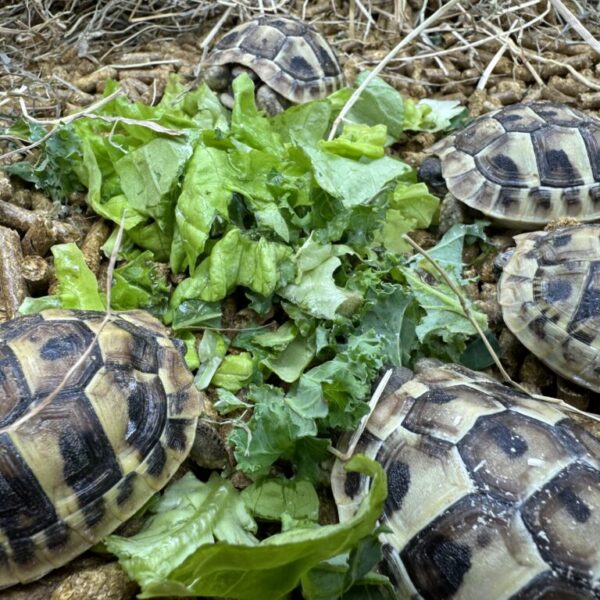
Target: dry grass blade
[416,32]
[576,24]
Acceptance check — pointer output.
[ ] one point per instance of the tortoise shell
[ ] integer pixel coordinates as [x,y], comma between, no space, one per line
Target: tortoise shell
[491,494]
[549,292]
[75,464]
[526,164]
[286,54]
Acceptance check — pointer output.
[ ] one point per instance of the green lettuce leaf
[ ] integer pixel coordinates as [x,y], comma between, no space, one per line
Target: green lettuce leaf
[378,104]
[235,260]
[433,115]
[314,289]
[411,207]
[175,554]
[358,140]
[352,181]
[234,372]
[77,286]
[140,283]
[269,499]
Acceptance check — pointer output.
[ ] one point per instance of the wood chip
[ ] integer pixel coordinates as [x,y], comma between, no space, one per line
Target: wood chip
[89,83]
[37,273]
[90,248]
[39,238]
[12,283]
[22,219]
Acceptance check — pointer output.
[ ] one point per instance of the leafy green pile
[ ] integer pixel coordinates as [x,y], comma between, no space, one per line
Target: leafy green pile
[304,237]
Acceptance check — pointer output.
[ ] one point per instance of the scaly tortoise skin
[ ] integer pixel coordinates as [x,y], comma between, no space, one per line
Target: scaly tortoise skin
[75,465]
[289,56]
[526,164]
[549,292]
[491,493]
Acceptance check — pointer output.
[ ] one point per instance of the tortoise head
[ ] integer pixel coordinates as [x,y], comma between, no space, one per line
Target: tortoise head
[430,172]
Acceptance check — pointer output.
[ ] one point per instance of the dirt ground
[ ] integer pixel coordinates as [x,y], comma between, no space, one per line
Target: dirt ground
[56,56]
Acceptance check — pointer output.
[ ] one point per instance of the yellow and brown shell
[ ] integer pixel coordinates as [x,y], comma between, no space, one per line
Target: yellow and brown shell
[549,292]
[75,464]
[288,55]
[526,164]
[491,494]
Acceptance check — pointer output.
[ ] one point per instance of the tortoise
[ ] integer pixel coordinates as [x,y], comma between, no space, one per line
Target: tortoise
[491,494]
[291,61]
[78,457]
[549,292]
[523,165]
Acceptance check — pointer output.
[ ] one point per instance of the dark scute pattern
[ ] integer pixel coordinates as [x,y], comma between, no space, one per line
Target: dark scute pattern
[17,327]
[228,41]
[56,535]
[595,193]
[572,199]
[564,239]
[3,556]
[62,347]
[440,396]
[145,347]
[23,550]
[180,346]
[286,25]
[452,560]
[89,463]
[556,169]
[176,434]
[326,59]
[157,460]
[125,487]
[542,199]
[352,484]
[398,474]
[550,585]
[438,557]
[589,305]
[13,388]
[506,165]
[177,401]
[591,137]
[537,326]
[300,68]
[516,122]
[25,508]
[585,337]
[509,199]
[94,512]
[544,507]
[574,505]
[511,443]
[557,290]
[146,410]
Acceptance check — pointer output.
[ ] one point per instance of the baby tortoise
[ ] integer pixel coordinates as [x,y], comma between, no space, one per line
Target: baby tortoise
[549,292]
[523,165]
[491,494]
[291,62]
[76,464]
